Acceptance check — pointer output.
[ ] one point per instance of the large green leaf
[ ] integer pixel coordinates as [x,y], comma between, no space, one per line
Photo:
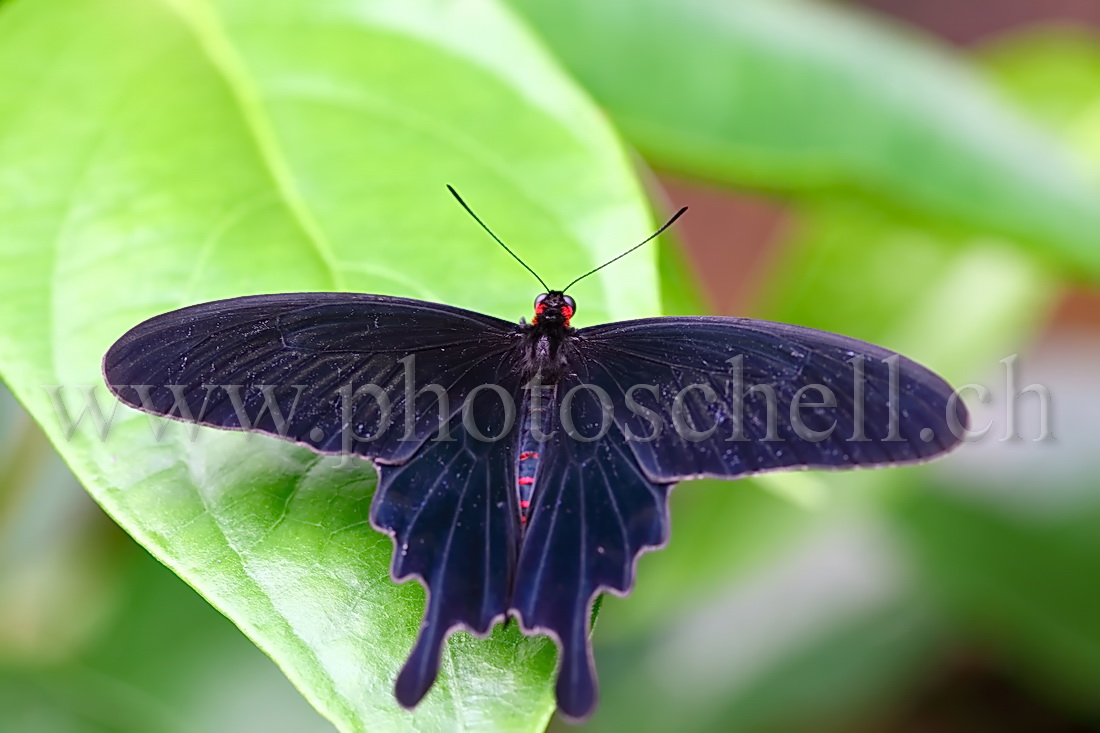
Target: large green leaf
[796,95]
[159,153]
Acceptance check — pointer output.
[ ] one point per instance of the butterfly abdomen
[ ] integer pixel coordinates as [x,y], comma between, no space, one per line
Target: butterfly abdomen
[537,411]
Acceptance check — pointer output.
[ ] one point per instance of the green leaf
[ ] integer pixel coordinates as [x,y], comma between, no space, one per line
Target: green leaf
[802,96]
[1055,72]
[186,151]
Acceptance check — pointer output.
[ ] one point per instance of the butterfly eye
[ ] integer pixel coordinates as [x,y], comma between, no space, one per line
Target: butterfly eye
[571,303]
[538,300]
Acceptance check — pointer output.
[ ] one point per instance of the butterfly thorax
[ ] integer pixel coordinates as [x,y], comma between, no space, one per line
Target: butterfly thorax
[545,335]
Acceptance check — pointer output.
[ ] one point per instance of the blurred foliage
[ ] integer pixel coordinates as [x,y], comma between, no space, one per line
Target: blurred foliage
[187,150]
[814,97]
[95,635]
[1015,587]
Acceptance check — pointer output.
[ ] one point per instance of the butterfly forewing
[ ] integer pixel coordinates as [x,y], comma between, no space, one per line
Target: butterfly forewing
[311,356]
[694,373]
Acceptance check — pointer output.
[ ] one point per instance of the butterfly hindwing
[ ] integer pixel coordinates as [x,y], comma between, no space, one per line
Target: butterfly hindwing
[452,515]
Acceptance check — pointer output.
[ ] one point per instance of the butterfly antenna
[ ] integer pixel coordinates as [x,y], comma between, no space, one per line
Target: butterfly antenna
[666,225]
[490,231]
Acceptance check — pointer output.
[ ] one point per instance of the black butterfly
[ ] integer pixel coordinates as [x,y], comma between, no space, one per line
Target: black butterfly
[536,470]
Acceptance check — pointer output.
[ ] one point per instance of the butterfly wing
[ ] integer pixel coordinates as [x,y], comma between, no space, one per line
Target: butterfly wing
[857,404]
[295,366]
[451,511]
[452,515]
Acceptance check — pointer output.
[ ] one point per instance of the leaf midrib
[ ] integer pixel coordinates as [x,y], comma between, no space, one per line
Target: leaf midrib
[202,23]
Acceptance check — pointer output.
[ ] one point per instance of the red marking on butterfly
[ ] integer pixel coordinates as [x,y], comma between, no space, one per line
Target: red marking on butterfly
[528,454]
[526,480]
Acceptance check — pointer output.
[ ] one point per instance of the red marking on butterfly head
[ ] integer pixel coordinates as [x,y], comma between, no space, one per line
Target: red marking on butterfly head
[568,313]
[554,308]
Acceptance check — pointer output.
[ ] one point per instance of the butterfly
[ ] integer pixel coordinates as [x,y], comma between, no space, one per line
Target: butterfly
[524,467]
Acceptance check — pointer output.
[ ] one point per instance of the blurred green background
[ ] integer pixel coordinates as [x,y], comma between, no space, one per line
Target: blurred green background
[919,174]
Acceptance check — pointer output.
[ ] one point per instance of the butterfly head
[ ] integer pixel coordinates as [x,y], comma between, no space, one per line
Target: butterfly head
[554,308]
